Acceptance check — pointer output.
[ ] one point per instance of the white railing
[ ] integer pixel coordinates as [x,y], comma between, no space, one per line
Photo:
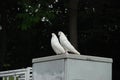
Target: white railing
[18,74]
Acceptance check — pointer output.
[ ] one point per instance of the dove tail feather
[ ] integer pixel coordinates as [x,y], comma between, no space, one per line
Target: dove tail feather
[77,52]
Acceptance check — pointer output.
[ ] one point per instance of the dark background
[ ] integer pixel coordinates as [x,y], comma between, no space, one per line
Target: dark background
[24,36]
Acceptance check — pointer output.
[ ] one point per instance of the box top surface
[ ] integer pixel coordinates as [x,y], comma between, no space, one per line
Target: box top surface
[72,56]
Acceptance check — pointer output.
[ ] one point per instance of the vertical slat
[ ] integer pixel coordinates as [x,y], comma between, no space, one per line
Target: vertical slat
[14,77]
[7,77]
[18,78]
[3,78]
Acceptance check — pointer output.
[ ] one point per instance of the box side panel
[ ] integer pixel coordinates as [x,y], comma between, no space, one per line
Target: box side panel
[88,70]
[50,70]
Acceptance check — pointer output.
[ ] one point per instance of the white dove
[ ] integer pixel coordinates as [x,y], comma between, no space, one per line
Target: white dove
[56,46]
[66,44]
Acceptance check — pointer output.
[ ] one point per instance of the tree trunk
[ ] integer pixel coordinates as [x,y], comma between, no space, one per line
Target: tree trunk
[73,10]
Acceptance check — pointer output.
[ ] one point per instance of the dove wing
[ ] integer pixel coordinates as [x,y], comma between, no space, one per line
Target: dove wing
[58,48]
[67,45]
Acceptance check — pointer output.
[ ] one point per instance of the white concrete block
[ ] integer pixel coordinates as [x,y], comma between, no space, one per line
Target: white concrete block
[72,67]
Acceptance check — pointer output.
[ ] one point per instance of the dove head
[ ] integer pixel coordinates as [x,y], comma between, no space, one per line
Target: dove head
[53,34]
[60,33]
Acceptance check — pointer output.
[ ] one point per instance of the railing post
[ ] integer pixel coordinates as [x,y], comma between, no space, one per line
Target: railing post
[27,75]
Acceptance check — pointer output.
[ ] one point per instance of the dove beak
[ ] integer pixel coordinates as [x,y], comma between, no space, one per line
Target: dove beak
[58,33]
[52,34]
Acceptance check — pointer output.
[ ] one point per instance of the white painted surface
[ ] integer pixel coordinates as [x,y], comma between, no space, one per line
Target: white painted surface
[51,70]
[73,56]
[88,70]
[72,67]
